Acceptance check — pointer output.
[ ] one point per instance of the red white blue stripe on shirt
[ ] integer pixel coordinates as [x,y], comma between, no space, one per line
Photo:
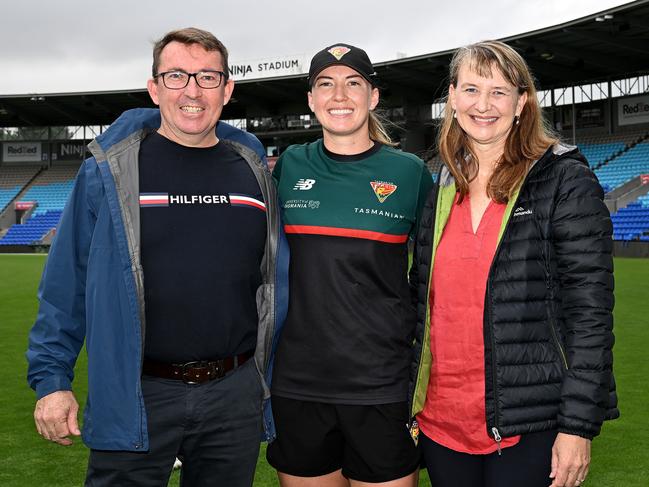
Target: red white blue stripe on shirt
[154,199]
[245,200]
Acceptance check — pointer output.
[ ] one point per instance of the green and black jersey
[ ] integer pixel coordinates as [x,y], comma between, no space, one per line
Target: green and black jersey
[347,338]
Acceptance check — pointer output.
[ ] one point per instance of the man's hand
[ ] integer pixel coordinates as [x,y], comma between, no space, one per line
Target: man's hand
[56,417]
[570,460]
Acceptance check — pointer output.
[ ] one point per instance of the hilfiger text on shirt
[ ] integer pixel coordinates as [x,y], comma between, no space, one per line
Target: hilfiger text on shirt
[166,199]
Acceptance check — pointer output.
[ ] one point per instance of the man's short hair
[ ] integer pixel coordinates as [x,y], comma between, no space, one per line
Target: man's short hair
[188,36]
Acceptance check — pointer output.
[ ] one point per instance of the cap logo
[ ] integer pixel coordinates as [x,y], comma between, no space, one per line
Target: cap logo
[338,51]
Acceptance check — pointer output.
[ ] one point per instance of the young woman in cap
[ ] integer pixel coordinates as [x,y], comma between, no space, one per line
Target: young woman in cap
[513,363]
[350,201]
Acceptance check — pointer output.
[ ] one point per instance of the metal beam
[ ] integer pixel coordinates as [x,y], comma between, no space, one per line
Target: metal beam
[609,39]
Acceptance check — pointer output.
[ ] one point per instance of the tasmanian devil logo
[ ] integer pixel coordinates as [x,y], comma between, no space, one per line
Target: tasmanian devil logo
[338,51]
[382,189]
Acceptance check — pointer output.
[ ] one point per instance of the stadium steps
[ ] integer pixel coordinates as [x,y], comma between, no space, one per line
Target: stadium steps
[625,194]
[25,186]
[632,163]
[50,189]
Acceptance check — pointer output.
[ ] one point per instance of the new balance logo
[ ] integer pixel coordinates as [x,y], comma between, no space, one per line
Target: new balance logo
[304,184]
[520,211]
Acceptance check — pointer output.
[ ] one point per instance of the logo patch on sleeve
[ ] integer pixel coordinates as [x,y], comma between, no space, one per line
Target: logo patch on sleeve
[382,189]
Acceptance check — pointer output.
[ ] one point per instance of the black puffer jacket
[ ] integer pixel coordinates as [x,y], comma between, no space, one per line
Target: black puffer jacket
[548,305]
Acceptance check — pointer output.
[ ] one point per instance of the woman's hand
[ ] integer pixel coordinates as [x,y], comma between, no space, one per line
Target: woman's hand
[570,460]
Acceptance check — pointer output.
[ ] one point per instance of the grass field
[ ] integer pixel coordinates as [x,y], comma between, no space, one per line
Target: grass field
[620,457]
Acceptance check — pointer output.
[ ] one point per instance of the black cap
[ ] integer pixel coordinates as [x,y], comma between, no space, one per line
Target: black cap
[350,56]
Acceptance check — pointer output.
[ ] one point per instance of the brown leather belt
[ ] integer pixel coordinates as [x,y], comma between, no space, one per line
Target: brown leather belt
[195,372]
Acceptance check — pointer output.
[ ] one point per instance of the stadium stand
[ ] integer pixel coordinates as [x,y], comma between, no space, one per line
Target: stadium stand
[632,222]
[51,188]
[12,180]
[33,231]
[50,191]
[597,154]
[628,165]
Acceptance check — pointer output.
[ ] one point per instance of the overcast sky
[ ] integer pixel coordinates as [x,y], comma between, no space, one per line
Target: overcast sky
[65,46]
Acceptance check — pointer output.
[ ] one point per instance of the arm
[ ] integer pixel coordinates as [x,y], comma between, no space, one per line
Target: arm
[425,186]
[581,232]
[59,331]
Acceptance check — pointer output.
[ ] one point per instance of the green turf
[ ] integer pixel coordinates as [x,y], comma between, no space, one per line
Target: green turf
[619,455]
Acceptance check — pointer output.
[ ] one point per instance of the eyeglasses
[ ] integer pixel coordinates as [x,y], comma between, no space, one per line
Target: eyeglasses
[177,80]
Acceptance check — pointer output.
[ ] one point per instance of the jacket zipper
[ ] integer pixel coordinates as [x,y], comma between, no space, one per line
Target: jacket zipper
[272,246]
[498,439]
[550,314]
[135,270]
[548,284]
[412,424]
[556,340]
[494,428]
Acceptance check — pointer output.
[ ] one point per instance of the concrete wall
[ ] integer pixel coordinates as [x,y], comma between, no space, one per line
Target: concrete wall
[630,249]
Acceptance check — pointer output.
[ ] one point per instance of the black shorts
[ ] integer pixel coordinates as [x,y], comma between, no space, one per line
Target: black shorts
[369,443]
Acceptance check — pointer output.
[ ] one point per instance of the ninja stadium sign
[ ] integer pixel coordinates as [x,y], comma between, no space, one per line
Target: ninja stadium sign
[269,68]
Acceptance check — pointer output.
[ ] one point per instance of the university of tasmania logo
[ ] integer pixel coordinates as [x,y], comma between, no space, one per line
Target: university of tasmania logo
[382,189]
[338,51]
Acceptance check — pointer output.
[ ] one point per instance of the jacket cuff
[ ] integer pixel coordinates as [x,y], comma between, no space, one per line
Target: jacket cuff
[577,433]
[52,384]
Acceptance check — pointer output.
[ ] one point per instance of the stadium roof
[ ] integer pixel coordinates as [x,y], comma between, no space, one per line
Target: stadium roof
[608,45]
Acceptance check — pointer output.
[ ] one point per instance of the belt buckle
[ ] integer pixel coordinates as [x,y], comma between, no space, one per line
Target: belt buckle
[190,376]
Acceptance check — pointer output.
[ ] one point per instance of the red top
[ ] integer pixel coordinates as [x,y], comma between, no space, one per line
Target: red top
[454,413]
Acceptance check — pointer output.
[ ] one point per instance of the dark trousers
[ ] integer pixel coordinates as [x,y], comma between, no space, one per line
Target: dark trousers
[214,428]
[525,464]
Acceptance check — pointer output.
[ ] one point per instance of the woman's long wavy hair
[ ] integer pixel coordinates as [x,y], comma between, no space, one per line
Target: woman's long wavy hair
[526,141]
[378,133]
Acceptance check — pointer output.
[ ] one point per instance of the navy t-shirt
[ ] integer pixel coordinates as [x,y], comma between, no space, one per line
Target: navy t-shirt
[203,232]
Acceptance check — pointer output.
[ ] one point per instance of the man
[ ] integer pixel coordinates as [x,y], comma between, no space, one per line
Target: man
[170,263]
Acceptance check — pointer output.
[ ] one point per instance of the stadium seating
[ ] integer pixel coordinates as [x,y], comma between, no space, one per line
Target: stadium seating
[12,181]
[632,222]
[598,153]
[50,190]
[33,230]
[49,197]
[625,167]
